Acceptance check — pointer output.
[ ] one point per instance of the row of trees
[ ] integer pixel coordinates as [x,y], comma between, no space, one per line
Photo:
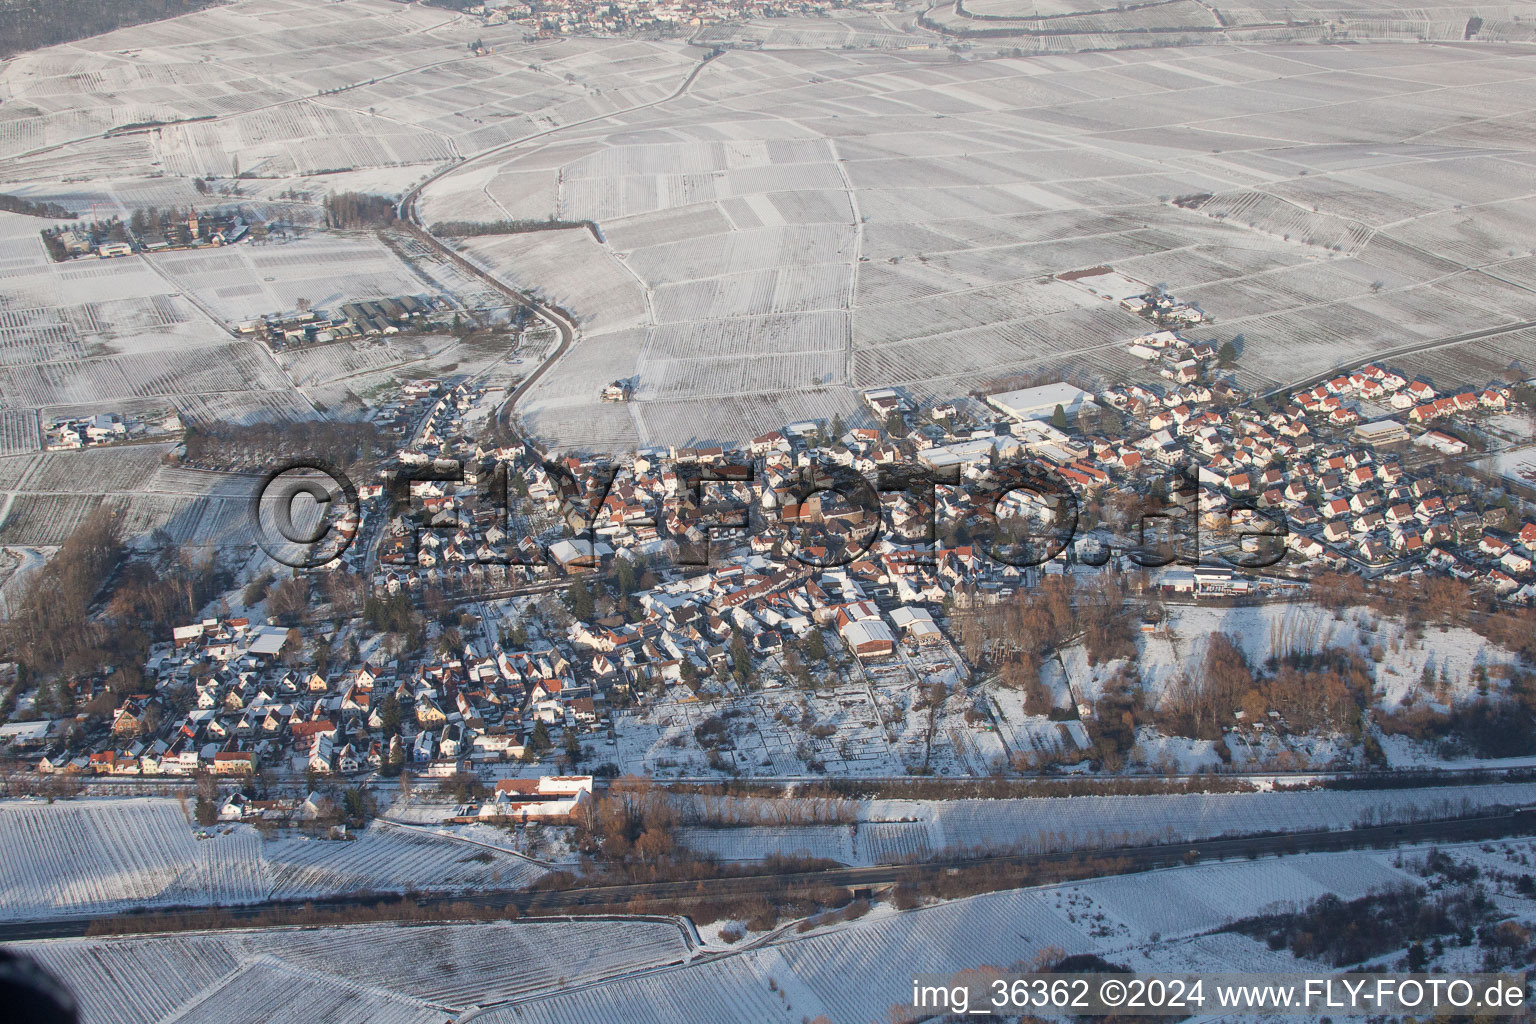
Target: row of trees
[358,210]
[53,211]
[340,443]
[474,228]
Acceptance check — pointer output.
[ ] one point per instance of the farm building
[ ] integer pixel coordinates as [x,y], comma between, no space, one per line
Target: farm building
[869,638]
[918,624]
[1039,403]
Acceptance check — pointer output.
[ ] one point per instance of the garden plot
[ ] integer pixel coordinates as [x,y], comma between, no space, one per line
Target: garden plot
[770,732]
[1030,731]
[942,739]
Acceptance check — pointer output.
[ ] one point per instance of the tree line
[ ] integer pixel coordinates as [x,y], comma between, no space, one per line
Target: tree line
[473,228]
[341,443]
[30,24]
[53,211]
[358,210]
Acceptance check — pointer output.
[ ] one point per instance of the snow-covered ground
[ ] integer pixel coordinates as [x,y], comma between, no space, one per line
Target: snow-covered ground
[341,975]
[896,831]
[856,972]
[1279,630]
[102,856]
[980,730]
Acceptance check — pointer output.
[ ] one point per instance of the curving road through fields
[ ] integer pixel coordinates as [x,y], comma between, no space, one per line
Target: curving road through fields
[555,317]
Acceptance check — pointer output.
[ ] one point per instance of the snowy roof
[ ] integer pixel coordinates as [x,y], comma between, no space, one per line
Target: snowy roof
[865,631]
[269,642]
[1040,403]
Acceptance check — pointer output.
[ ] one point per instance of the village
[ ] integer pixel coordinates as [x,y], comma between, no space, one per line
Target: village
[525,611]
[546,18]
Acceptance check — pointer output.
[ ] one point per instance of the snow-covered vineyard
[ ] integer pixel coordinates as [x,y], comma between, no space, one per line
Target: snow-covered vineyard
[576,971]
[351,974]
[897,831]
[855,973]
[92,857]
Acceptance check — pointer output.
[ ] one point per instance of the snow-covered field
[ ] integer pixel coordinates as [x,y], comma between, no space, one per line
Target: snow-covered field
[50,493]
[91,336]
[896,831]
[857,972]
[848,206]
[93,856]
[803,224]
[341,975]
[575,971]
[242,282]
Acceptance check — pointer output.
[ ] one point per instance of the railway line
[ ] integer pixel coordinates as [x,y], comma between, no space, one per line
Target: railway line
[1030,869]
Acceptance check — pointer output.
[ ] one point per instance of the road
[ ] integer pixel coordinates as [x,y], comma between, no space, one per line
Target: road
[965,786]
[1140,858]
[555,317]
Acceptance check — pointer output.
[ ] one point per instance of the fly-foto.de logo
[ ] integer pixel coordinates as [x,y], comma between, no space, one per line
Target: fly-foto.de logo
[1017,513]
